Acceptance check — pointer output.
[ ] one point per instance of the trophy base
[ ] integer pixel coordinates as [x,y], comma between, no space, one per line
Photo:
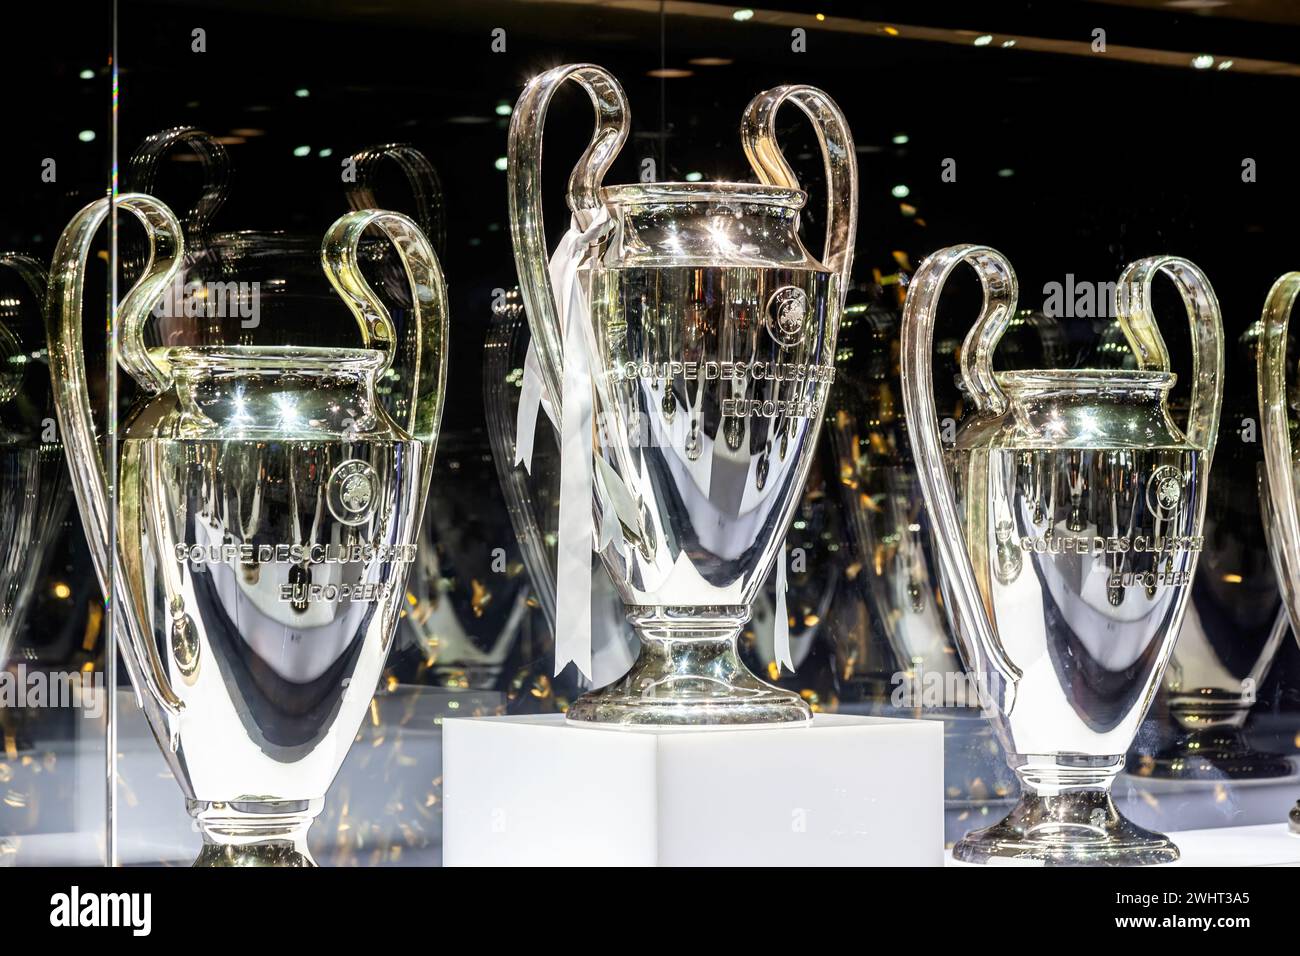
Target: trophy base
[1214,753]
[1293,820]
[1074,828]
[254,833]
[689,673]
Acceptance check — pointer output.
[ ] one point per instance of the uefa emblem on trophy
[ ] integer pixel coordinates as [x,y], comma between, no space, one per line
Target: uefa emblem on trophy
[1068,519]
[265,516]
[685,339]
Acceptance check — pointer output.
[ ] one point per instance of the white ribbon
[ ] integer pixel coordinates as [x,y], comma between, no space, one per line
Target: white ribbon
[531,395]
[577,530]
[781,631]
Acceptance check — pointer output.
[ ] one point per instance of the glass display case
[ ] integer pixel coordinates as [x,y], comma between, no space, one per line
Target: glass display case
[1075,137]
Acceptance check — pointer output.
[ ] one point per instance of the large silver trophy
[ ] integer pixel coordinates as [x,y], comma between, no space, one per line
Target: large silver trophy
[1278,406]
[1067,517]
[264,518]
[687,358]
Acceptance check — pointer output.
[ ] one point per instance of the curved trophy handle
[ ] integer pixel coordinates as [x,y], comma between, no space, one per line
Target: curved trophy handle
[758,134]
[1276,425]
[143,174]
[1133,310]
[340,259]
[90,480]
[524,178]
[426,188]
[1000,292]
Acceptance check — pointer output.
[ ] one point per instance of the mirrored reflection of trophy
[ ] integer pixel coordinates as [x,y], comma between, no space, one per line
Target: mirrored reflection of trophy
[255,286]
[885,515]
[1068,518]
[33,477]
[813,583]
[1235,622]
[1279,401]
[710,339]
[264,519]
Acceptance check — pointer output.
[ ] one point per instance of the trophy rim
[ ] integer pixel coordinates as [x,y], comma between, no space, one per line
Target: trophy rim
[299,359]
[632,194]
[1024,380]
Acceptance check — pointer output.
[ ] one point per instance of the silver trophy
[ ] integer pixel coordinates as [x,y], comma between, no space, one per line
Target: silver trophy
[263,517]
[1277,413]
[1068,518]
[708,333]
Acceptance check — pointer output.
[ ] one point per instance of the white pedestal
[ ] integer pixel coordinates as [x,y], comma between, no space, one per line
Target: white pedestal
[841,791]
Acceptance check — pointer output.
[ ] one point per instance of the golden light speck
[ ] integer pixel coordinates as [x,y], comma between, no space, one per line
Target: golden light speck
[480,597]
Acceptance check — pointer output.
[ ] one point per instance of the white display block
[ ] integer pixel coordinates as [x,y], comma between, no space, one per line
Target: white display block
[538,790]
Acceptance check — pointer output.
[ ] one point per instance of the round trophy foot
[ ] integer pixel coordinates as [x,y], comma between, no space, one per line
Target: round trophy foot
[1216,753]
[682,707]
[696,682]
[1179,764]
[255,833]
[1076,828]
[259,854]
[1293,821]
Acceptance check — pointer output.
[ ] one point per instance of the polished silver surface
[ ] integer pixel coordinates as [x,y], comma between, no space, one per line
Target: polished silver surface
[1277,412]
[1068,518]
[266,508]
[712,352]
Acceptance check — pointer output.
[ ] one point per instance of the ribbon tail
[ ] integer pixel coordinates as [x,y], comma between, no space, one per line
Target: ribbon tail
[577,472]
[530,398]
[781,634]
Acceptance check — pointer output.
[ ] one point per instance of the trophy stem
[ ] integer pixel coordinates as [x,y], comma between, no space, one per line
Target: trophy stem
[254,832]
[689,673]
[1065,817]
